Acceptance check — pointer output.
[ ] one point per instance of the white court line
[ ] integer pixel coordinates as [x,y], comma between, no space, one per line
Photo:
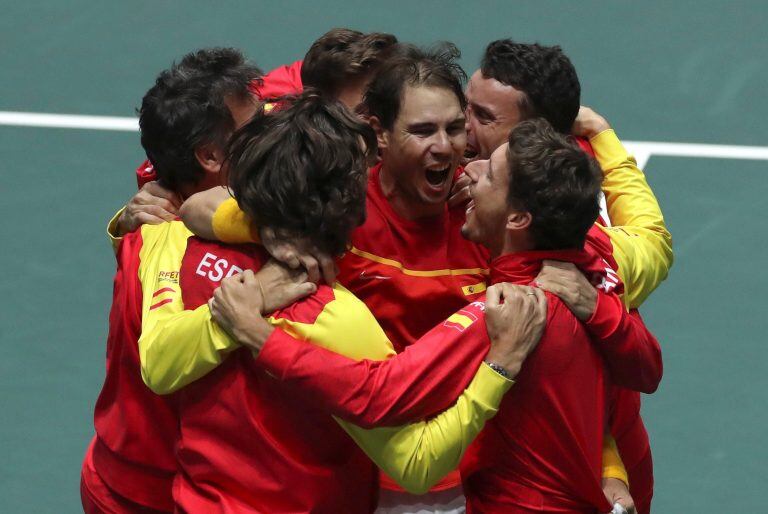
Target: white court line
[32,119]
[641,149]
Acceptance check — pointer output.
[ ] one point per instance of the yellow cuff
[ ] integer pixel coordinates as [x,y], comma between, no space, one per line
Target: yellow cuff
[112,232]
[613,467]
[609,151]
[232,225]
[490,385]
[617,472]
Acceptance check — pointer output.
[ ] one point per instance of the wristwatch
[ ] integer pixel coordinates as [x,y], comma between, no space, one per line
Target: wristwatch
[499,369]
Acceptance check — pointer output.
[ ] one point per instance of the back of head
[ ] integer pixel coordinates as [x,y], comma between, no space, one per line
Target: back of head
[302,170]
[413,66]
[187,108]
[556,182]
[543,73]
[343,55]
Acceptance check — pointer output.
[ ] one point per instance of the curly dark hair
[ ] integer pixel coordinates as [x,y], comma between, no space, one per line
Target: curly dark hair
[341,55]
[413,66]
[543,73]
[186,109]
[301,170]
[556,182]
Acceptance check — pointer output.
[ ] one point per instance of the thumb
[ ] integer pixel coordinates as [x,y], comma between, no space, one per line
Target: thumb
[492,297]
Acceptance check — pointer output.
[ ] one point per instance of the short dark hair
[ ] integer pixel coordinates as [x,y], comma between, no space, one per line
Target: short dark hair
[341,55]
[543,73]
[301,170]
[413,66]
[556,182]
[186,108]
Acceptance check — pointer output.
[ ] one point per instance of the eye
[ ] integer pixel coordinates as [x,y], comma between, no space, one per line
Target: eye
[483,116]
[456,129]
[422,130]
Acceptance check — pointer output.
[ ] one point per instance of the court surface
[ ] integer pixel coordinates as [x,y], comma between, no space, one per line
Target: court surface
[684,72]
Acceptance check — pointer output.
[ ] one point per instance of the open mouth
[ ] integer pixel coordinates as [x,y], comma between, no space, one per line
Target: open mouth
[438,177]
[470,207]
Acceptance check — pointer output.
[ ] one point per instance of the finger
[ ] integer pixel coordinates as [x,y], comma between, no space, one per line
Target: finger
[305,289]
[492,297]
[143,218]
[567,266]
[157,210]
[460,197]
[328,268]
[145,200]
[159,191]
[287,257]
[313,269]
[541,302]
[552,286]
[513,296]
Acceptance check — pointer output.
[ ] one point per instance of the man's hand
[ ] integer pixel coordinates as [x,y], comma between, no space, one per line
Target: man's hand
[298,252]
[588,123]
[460,191]
[282,286]
[617,491]
[515,317]
[153,204]
[564,280]
[236,306]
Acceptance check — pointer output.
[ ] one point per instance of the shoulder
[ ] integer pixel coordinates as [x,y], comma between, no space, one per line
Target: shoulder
[161,235]
[337,320]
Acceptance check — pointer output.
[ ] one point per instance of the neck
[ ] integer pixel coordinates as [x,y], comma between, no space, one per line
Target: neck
[510,244]
[406,205]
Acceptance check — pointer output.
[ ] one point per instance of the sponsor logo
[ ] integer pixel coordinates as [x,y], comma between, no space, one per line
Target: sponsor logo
[168,276]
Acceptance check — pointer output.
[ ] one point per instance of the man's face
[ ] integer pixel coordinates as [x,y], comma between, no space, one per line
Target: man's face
[425,145]
[242,110]
[487,210]
[493,111]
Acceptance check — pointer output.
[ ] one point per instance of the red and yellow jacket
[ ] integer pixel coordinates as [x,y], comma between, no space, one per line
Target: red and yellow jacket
[292,455]
[136,430]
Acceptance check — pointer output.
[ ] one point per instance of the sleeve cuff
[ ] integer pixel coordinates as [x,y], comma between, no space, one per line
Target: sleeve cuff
[490,385]
[112,232]
[616,472]
[608,149]
[606,317]
[279,353]
[232,225]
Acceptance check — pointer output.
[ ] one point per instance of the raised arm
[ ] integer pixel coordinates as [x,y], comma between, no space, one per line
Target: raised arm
[642,245]
[198,214]
[152,205]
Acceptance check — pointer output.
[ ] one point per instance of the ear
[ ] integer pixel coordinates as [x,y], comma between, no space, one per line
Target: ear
[210,157]
[518,220]
[382,137]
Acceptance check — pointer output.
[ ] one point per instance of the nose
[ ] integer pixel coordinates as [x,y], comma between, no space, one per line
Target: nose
[472,170]
[441,144]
